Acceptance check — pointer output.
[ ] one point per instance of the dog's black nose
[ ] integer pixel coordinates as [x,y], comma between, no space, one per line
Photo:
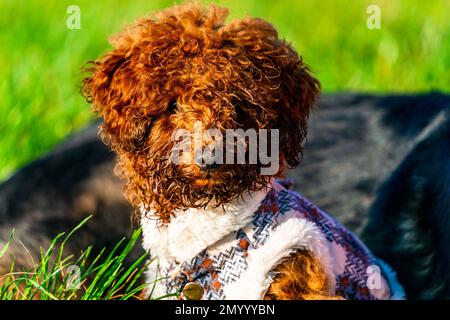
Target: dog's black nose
[210,167]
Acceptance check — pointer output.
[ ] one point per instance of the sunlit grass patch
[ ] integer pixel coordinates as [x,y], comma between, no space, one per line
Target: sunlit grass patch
[41,59]
[102,276]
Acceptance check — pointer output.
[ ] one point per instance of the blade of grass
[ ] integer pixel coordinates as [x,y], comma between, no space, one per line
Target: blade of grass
[39,287]
[6,246]
[122,280]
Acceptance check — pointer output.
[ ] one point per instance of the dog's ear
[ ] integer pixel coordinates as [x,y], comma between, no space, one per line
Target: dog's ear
[299,90]
[118,97]
[284,83]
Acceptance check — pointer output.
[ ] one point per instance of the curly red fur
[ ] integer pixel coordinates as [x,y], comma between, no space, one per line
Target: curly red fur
[235,75]
[300,277]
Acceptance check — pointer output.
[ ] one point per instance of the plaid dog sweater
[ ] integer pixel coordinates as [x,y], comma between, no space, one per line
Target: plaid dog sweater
[230,254]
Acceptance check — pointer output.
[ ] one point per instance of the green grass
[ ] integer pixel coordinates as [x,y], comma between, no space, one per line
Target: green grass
[40,59]
[59,277]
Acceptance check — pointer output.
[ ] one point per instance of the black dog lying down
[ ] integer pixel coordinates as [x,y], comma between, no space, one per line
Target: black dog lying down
[356,142]
[409,223]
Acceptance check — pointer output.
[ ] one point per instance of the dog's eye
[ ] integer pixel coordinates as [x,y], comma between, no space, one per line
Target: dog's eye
[172,106]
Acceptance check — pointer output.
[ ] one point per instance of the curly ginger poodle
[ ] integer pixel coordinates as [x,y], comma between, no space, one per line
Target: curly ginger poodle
[222,230]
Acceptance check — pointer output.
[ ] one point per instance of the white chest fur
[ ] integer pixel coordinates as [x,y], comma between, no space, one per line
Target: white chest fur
[193,230]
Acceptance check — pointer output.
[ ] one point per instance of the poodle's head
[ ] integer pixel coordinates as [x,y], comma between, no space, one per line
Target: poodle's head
[186,72]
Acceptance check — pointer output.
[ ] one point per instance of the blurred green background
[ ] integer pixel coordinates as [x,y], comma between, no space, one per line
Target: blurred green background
[40,58]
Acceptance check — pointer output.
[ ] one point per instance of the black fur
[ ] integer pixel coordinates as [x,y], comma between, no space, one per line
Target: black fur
[409,223]
[54,193]
[355,141]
